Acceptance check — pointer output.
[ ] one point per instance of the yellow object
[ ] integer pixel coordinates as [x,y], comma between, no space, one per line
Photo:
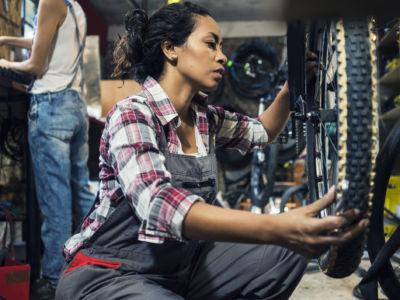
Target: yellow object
[392,199]
[392,202]
[388,230]
[173,1]
[392,64]
[397,100]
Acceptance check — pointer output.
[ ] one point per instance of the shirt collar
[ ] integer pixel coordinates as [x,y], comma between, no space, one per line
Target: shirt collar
[162,105]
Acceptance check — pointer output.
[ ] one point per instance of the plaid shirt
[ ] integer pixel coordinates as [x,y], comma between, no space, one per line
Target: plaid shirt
[132,165]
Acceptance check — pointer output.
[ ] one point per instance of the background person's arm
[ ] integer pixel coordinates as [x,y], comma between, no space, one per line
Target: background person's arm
[15,41]
[51,14]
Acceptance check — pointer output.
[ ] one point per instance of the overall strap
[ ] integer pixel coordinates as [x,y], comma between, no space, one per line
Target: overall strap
[79,63]
[211,131]
[35,20]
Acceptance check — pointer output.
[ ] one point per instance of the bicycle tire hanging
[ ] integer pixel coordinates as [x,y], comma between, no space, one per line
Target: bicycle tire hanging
[251,69]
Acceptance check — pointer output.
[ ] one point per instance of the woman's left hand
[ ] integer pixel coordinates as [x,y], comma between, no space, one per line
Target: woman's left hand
[312,65]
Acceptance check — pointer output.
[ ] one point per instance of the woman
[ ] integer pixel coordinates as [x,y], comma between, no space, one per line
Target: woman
[154,233]
[58,127]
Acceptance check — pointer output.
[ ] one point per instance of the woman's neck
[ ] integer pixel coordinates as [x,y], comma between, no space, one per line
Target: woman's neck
[180,94]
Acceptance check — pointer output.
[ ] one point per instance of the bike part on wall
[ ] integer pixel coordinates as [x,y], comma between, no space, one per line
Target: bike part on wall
[340,111]
[252,69]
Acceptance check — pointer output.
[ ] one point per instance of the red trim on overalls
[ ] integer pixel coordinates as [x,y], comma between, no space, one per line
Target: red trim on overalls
[81,260]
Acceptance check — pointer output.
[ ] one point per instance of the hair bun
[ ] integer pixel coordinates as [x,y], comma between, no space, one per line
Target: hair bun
[136,21]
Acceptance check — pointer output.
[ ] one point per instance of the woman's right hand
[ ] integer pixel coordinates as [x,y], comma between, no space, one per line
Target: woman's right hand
[303,232]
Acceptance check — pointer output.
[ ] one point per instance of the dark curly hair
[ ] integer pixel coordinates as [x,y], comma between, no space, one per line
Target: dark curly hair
[139,52]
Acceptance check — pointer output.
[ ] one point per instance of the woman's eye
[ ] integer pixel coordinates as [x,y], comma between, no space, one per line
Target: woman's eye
[211,45]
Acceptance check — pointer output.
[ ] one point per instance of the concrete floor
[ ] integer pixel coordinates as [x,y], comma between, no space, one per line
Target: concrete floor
[316,285]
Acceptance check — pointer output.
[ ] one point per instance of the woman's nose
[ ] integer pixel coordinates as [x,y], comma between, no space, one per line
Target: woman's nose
[222,57]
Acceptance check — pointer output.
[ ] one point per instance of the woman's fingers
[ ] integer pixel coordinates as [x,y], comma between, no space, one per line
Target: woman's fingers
[319,233]
[311,55]
[330,223]
[324,202]
[4,63]
[337,238]
[311,65]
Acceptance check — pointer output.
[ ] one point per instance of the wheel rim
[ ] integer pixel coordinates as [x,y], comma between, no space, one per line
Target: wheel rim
[324,135]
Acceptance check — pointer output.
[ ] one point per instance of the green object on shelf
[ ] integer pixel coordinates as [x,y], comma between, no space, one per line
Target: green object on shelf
[229,64]
[392,64]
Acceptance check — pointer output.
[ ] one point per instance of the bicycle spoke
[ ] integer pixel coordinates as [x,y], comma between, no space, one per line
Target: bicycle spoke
[326,81]
[330,139]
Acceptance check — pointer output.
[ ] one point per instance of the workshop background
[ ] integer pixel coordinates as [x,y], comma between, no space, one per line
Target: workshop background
[241,23]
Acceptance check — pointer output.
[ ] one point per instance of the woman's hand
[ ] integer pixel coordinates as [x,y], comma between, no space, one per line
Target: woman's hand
[312,65]
[4,63]
[304,233]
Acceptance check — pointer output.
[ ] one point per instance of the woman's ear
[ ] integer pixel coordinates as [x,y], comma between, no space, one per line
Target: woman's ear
[169,51]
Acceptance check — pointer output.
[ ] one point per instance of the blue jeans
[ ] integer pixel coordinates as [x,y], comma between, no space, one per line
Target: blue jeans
[58,141]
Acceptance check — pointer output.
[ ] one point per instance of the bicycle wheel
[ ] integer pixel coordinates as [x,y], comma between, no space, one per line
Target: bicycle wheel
[376,238]
[342,129]
[251,69]
[237,197]
[298,191]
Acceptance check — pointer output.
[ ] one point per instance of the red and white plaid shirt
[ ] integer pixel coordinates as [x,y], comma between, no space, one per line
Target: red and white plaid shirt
[132,165]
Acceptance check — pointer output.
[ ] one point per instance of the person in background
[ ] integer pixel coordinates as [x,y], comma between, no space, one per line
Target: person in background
[154,232]
[58,128]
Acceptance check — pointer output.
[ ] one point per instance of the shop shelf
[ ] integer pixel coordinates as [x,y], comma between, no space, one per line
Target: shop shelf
[389,43]
[391,79]
[391,115]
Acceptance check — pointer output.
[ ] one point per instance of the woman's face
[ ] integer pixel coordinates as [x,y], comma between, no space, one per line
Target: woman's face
[200,58]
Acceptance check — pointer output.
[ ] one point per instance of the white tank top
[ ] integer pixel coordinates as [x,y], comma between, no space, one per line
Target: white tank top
[201,148]
[63,55]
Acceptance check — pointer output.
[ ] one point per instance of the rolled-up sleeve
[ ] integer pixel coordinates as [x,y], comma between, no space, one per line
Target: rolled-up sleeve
[237,131]
[136,160]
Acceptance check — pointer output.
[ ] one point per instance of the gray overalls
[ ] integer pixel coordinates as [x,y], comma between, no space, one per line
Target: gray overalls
[129,269]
